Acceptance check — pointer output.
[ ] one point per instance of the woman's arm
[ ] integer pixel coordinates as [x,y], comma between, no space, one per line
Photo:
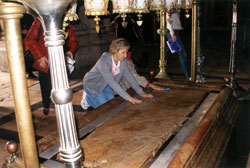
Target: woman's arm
[130,78]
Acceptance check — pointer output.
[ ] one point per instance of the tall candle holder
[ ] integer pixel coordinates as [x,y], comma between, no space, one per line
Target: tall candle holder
[51,14]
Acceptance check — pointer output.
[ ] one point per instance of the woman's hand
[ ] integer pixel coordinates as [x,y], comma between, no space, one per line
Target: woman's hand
[134,100]
[174,37]
[155,87]
[145,95]
[43,62]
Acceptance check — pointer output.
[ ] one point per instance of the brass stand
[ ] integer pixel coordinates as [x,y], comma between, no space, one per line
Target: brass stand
[194,41]
[162,32]
[11,14]
[233,46]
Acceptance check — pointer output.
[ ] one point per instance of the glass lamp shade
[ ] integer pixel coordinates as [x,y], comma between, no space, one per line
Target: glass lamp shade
[180,4]
[170,4]
[96,7]
[157,4]
[140,6]
[188,4]
[184,4]
[122,6]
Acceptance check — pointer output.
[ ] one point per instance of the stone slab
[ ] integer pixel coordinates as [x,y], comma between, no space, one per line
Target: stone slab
[133,137]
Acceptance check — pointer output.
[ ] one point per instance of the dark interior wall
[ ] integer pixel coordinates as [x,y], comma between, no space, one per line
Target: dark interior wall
[216,20]
[216,16]
[243,41]
[91,44]
[216,26]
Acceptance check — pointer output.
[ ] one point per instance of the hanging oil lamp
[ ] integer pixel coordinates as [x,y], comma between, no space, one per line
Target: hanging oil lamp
[188,5]
[96,8]
[140,6]
[157,5]
[170,7]
[123,7]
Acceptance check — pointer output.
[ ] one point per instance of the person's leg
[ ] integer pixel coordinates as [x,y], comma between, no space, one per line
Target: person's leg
[168,52]
[29,61]
[105,96]
[182,55]
[45,84]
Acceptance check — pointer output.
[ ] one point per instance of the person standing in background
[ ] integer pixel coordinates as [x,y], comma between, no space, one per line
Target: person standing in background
[36,45]
[175,27]
[26,22]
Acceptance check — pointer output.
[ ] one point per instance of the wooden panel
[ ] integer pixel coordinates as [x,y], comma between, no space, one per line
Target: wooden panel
[132,137]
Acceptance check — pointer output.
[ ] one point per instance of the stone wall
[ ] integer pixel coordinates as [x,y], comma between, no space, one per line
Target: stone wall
[91,44]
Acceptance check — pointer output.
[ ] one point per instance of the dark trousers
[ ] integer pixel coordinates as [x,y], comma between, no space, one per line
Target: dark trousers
[182,54]
[45,84]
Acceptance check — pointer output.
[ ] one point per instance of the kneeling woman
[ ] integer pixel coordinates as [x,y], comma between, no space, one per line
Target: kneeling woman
[104,77]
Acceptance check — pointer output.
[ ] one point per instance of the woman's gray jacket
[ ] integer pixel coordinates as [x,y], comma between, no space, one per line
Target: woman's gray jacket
[101,75]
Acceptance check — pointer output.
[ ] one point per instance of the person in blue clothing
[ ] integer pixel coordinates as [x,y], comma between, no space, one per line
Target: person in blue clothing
[104,78]
[175,28]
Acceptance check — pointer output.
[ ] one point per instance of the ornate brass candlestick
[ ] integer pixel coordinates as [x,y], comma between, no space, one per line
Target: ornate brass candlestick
[194,41]
[51,14]
[162,32]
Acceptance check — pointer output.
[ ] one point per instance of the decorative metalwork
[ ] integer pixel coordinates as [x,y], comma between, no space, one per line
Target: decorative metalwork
[51,14]
[194,41]
[164,7]
[180,4]
[122,7]
[233,45]
[96,8]
[188,5]
[157,5]
[140,6]
[162,32]
[184,4]
[69,17]
[230,81]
